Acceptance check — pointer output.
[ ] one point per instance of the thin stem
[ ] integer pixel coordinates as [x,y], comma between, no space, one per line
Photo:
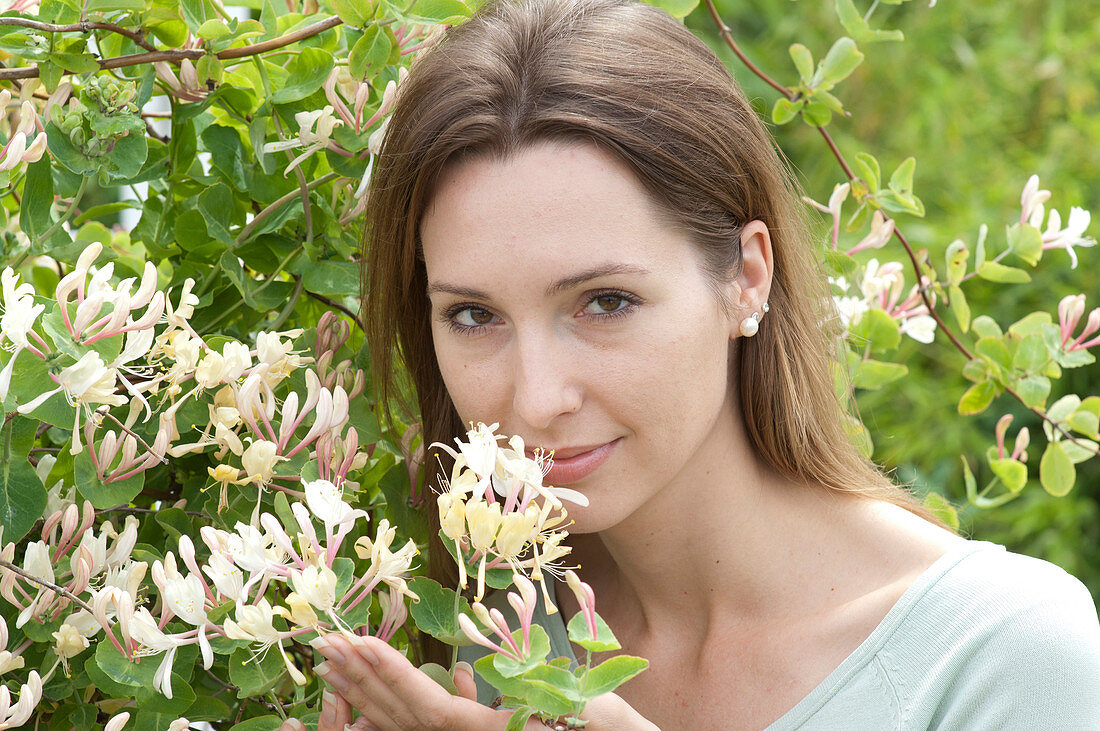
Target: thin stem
[724,30]
[279,203]
[137,59]
[68,213]
[48,585]
[338,306]
[123,427]
[84,26]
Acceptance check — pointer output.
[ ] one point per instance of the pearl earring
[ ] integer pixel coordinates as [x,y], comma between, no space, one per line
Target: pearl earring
[751,324]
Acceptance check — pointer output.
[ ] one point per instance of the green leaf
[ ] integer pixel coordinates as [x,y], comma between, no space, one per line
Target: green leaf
[675,8]
[354,13]
[260,723]
[1012,473]
[1031,354]
[440,11]
[995,351]
[943,509]
[370,53]
[977,398]
[331,278]
[104,495]
[137,674]
[507,686]
[1056,470]
[994,272]
[175,522]
[610,674]
[197,12]
[540,648]
[901,182]
[227,154]
[873,374]
[605,638]
[34,212]
[557,676]
[441,676]
[841,60]
[859,29]
[255,675]
[816,114]
[216,206]
[435,612]
[960,307]
[519,718]
[1084,422]
[213,29]
[307,72]
[803,61]
[151,699]
[956,256]
[1033,390]
[986,327]
[1026,242]
[22,495]
[877,329]
[785,110]
[868,169]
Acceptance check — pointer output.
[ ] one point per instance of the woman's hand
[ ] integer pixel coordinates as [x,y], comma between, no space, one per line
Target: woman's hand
[393,695]
[335,716]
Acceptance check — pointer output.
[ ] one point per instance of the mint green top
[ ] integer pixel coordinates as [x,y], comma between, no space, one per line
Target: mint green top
[984,639]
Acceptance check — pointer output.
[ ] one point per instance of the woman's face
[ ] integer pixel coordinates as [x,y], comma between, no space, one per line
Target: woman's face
[566,309]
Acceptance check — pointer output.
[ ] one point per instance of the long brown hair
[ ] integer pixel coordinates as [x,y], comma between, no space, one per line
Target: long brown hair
[631,80]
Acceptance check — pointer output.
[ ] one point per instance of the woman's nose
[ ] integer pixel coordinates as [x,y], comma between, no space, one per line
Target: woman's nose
[544,382]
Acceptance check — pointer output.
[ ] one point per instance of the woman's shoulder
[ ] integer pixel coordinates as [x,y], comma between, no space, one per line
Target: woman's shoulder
[985,623]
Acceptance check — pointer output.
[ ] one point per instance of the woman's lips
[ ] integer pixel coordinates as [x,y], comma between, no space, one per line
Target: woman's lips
[578,464]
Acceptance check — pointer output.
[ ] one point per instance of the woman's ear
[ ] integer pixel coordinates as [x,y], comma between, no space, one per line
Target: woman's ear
[753,284]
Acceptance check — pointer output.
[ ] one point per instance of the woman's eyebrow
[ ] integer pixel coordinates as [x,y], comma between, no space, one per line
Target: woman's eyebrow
[560,285]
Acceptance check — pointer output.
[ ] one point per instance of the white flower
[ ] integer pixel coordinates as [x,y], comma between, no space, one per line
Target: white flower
[325,501]
[314,134]
[317,585]
[850,309]
[14,716]
[37,563]
[259,460]
[8,661]
[69,641]
[921,328]
[255,624]
[144,631]
[117,722]
[1072,235]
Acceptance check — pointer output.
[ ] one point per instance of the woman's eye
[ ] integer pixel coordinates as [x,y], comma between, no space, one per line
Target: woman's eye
[472,317]
[607,304]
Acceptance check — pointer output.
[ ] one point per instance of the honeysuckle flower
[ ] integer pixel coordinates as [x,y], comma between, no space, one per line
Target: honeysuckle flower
[326,501]
[8,660]
[18,319]
[317,585]
[882,228]
[153,641]
[38,563]
[255,624]
[117,722]
[259,460]
[184,597]
[1056,237]
[180,724]
[1032,200]
[586,599]
[1023,438]
[69,642]
[300,612]
[14,716]
[227,578]
[921,328]
[524,605]
[314,134]
[1070,310]
[386,566]
[850,309]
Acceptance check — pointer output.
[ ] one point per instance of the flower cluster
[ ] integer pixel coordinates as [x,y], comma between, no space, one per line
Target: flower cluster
[497,511]
[1033,212]
[881,288]
[89,581]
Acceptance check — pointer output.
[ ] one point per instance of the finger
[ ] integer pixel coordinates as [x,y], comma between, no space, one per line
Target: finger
[421,702]
[292,724]
[335,712]
[356,695]
[464,681]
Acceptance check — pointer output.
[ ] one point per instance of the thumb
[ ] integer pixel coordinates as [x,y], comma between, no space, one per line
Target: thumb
[464,681]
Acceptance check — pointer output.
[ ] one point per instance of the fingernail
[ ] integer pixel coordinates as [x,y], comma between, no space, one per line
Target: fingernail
[319,643]
[328,707]
[323,669]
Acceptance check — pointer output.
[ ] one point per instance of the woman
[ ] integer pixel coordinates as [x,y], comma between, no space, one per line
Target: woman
[582,231]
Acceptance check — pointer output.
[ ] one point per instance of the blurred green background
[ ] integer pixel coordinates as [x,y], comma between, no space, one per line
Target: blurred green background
[984,94]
